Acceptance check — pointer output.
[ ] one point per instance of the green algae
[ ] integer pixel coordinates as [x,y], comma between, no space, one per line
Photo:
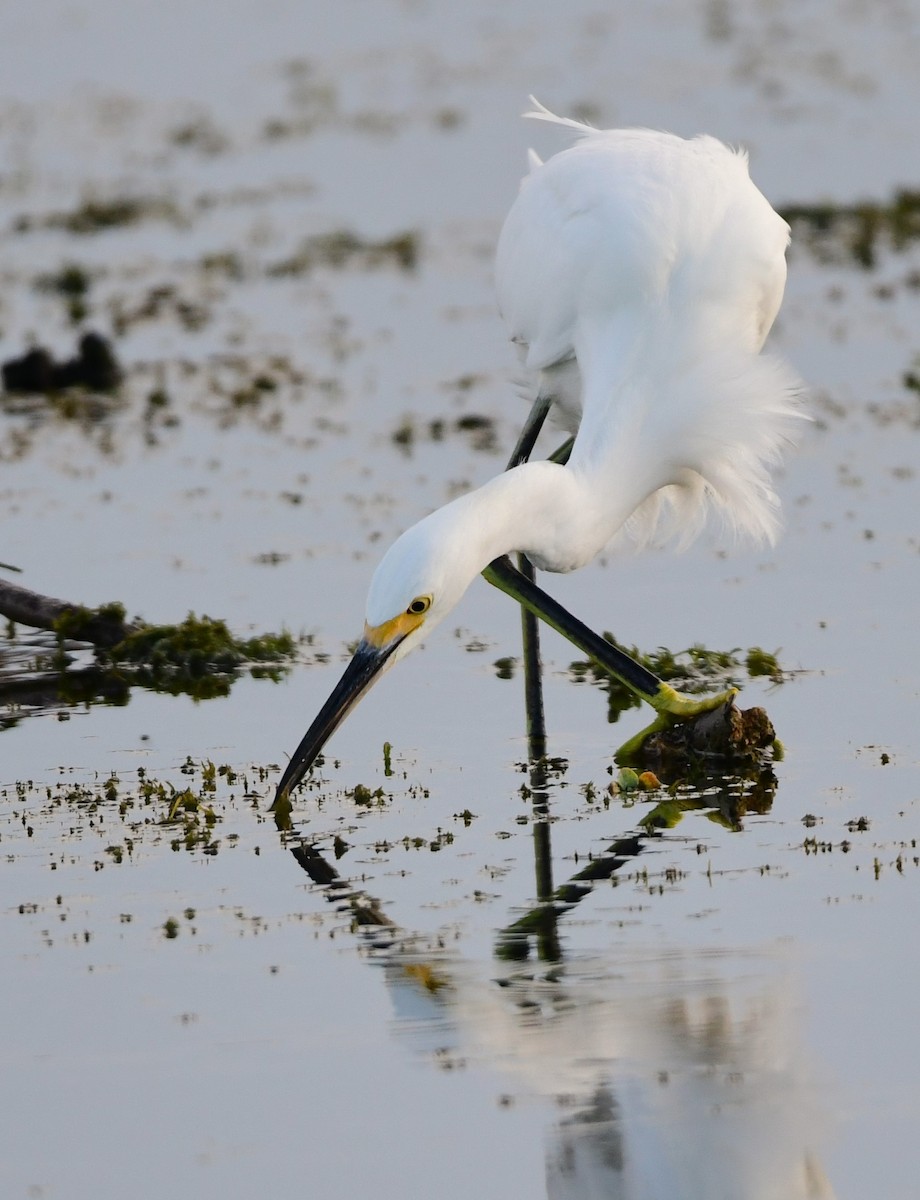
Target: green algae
[759,662]
[696,669]
[199,644]
[199,656]
[104,626]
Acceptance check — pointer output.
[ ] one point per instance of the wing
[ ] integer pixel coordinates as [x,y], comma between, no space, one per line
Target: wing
[635,220]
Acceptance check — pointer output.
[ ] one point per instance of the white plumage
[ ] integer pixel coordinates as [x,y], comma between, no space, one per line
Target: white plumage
[639,273]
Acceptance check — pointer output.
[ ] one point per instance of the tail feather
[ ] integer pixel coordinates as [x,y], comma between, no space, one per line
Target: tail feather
[540,112]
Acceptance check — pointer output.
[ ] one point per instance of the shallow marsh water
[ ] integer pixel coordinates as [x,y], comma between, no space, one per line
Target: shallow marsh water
[731,1012]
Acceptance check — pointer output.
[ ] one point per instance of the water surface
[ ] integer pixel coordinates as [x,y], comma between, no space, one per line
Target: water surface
[729,1012]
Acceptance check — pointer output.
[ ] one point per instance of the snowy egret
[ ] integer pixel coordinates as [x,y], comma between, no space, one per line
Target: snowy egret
[639,273]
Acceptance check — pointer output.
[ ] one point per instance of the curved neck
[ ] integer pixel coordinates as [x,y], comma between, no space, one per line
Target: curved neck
[559,517]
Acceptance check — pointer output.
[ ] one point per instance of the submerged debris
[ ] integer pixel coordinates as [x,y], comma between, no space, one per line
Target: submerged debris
[727,733]
[102,626]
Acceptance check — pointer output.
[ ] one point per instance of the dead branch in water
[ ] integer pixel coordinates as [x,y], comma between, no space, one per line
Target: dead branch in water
[104,626]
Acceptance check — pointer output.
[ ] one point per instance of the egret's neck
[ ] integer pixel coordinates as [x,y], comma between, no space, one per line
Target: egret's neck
[559,517]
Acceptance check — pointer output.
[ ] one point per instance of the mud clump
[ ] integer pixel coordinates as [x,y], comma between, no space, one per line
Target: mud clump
[94,367]
[727,733]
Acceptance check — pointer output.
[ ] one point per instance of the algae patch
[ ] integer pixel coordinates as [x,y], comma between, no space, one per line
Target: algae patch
[199,646]
[696,669]
[199,656]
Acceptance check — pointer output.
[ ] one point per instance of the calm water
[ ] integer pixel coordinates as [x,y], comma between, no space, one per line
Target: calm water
[729,1012]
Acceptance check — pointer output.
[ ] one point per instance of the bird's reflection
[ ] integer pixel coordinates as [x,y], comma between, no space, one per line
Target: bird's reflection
[674,1074]
[670,1077]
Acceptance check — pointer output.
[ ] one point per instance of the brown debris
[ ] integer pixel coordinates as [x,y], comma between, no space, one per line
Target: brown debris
[727,732]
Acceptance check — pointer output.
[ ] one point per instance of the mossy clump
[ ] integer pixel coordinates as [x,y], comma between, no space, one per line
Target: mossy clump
[761,662]
[104,626]
[199,657]
[198,648]
[365,798]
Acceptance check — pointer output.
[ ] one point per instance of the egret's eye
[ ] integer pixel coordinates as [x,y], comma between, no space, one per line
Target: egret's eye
[419,605]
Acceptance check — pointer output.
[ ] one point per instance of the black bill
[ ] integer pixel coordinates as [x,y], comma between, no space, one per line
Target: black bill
[363,670]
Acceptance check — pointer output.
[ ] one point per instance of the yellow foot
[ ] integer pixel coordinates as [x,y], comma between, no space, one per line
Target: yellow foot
[675,704]
[672,708]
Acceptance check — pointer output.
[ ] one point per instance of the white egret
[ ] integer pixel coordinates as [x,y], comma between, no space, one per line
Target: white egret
[639,273]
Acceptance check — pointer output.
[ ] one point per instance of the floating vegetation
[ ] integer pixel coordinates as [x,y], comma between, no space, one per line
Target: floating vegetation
[696,669]
[227,263]
[342,248]
[121,811]
[911,379]
[480,430]
[365,798]
[505,667]
[199,657]
[237,388]
[759,662]
[314,105]
[103,626]
[94,215]
[842,234]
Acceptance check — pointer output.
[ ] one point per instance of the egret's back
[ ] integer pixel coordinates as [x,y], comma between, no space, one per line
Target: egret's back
[634,223]
[640,273]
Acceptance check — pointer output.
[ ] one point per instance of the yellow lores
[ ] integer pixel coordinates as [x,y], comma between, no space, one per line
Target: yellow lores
[397,627]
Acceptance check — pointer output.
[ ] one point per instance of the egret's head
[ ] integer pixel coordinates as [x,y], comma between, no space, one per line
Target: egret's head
[419,580]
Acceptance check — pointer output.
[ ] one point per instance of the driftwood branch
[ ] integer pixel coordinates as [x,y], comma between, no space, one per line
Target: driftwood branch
[104,626]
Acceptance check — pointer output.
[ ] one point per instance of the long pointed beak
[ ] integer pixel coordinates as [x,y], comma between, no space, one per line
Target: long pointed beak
[360,675]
